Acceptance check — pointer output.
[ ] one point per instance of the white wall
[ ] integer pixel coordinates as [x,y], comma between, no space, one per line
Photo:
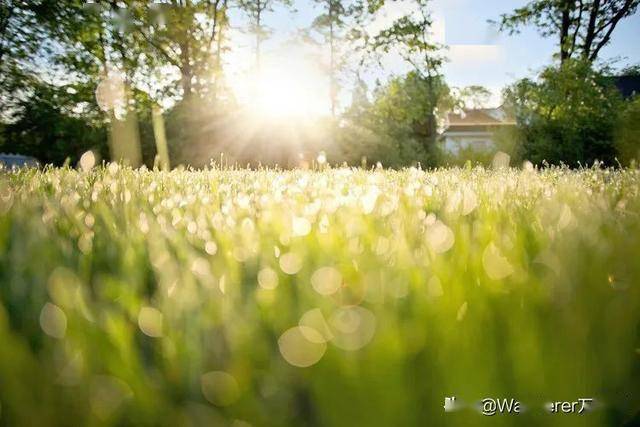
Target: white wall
[453,143]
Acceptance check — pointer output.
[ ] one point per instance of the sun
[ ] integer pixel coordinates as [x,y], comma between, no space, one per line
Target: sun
[291,88]
[285,93]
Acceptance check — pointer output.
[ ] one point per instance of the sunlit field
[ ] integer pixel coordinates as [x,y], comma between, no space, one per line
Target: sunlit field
[331,297]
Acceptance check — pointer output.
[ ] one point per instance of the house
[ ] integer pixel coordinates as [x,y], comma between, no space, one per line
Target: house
[474,129]
[10,161]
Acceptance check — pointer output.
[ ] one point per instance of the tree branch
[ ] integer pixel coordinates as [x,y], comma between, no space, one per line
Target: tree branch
[159,48]
[578,22]
[624,10]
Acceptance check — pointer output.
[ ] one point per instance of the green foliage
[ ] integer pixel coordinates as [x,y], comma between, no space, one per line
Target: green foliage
[569,115]
[627,134]
[20,39]
[187,36]
[464,157]
[582,27]
[474,96]
[44,130]
[396,127]
[410,36]
[132,297]
[332,25]
[174,52]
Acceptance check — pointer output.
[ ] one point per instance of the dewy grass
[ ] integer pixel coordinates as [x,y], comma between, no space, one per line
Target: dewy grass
[330,298]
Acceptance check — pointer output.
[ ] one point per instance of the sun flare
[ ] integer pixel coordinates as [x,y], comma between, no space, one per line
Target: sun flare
[284,89]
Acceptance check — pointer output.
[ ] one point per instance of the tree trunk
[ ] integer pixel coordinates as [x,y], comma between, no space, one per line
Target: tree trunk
[564,30]
[219,43]
[589,37]
[258,37]
[186,68]
[332,78]
[161,138]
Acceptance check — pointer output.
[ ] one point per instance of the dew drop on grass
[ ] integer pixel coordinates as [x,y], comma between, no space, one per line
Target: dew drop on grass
[87,161]
[300,351]
[300,226]
[495,264]
[201,268]
[62,286]
[314,320]
[219,388]
[353,327]
[439,237]
[211,248]
[454,200]
[469,201]
[430,219]
[267,278]
[290,263]
[527,166]
[150,321]
[89,220]
[113,168]
[368,200]
[53,321]
[346,320]
[326,280]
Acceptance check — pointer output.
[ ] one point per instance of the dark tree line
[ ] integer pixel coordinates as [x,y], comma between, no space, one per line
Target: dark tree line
[56,55]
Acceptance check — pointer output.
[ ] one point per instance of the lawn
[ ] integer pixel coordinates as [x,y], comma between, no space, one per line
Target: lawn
[334,297]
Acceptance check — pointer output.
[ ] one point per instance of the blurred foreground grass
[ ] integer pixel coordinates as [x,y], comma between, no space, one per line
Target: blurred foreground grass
[322,298]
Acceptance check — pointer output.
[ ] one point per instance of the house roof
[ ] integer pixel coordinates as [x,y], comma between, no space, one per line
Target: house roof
[480,117]
[477,120]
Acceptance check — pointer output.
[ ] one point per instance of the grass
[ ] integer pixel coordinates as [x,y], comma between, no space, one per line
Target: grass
[335,297]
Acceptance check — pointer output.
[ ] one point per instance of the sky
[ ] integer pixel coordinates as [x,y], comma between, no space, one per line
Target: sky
[477,53]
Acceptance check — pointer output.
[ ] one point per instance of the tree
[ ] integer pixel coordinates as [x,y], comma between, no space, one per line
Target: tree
[582,27]
[410,36]
[163,52]
[331,25]
[44,130]
[184,34]
[256,9]
[19,40]
[474,96]
[569,115]
[392,127]
[96,47]
[627,134]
